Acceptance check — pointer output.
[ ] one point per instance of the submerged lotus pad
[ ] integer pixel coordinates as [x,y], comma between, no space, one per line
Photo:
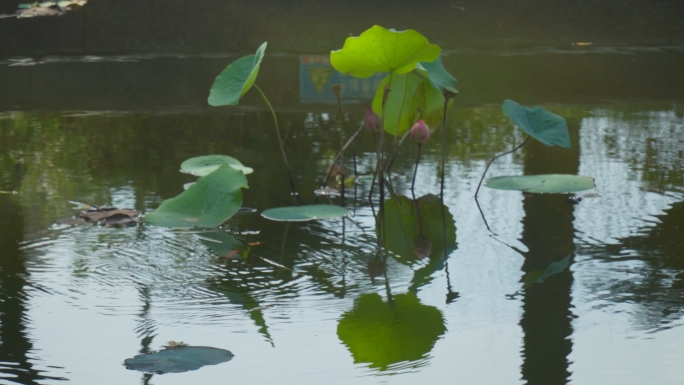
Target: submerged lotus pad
[304,213]
[205,165]
[178,359]
[546,183]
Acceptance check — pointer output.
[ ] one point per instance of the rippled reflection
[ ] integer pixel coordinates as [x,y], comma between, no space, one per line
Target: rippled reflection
[327,290]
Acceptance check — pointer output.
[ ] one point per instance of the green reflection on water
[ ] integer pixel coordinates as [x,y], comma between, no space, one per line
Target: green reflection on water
[384,333]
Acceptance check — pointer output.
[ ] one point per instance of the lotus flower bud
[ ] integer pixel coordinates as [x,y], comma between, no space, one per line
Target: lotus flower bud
[372,120]
[420,132]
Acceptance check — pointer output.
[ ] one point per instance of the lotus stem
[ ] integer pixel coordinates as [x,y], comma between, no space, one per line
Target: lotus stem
[344,148]
[495,158]
[280,144]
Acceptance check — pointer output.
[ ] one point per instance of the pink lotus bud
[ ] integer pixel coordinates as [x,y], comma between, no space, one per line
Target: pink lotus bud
[420,132]
[372,120]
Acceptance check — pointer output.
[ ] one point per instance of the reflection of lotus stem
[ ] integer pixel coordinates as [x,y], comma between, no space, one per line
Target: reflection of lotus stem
[280,143]
[441,186]
[415,172]
[495,158]
[341,156]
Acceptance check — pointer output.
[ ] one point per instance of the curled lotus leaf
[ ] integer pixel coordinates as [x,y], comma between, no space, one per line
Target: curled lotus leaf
[236,79]
[541,124]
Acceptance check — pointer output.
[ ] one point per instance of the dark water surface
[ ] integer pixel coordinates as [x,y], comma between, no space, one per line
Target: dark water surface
[556,293]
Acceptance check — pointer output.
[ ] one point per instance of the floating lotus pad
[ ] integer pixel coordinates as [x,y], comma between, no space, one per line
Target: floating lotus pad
[236,79]
[543,125]
[205,165]
[381,50]
[304,213]
[545,183]
[178,359]
[208,203]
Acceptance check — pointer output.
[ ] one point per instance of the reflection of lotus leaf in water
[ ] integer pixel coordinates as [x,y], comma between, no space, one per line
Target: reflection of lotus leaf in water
[381,334]
[404,219]
[225,245]
[178,359]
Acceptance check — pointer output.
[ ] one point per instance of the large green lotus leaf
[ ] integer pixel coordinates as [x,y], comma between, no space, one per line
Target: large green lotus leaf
[439,77]
[431,104]
[208,203]
[402,105]
[411,98]
[405,218]
[381,50]
[205,165]
[178,359]
[236,79]
[544,183]
[543,125]
[304,213]
[381,334]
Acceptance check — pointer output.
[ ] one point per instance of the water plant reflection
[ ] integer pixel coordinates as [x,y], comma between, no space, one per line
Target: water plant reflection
[383,333]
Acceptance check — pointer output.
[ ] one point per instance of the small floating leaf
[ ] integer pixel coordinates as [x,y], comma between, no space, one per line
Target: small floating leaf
[545,183]
[381,50]
[236,79]
[542,125]
[208,203]
[304,213]
[179,358]
[205,165]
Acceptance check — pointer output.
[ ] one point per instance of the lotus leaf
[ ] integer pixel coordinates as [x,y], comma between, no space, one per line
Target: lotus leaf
[438,75]
[542,125]
[236,79]
[545,183]
[178,359]
[381,50]
[304,213]
[204,165]
[208,203]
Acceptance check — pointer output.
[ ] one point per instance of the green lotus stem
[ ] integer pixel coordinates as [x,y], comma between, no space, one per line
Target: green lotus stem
[396,153]
[441,185]
[390,158]
[379,164]
[344,148]
[495,158]
[280,143]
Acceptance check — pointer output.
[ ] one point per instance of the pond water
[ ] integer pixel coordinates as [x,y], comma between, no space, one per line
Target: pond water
[551,293]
